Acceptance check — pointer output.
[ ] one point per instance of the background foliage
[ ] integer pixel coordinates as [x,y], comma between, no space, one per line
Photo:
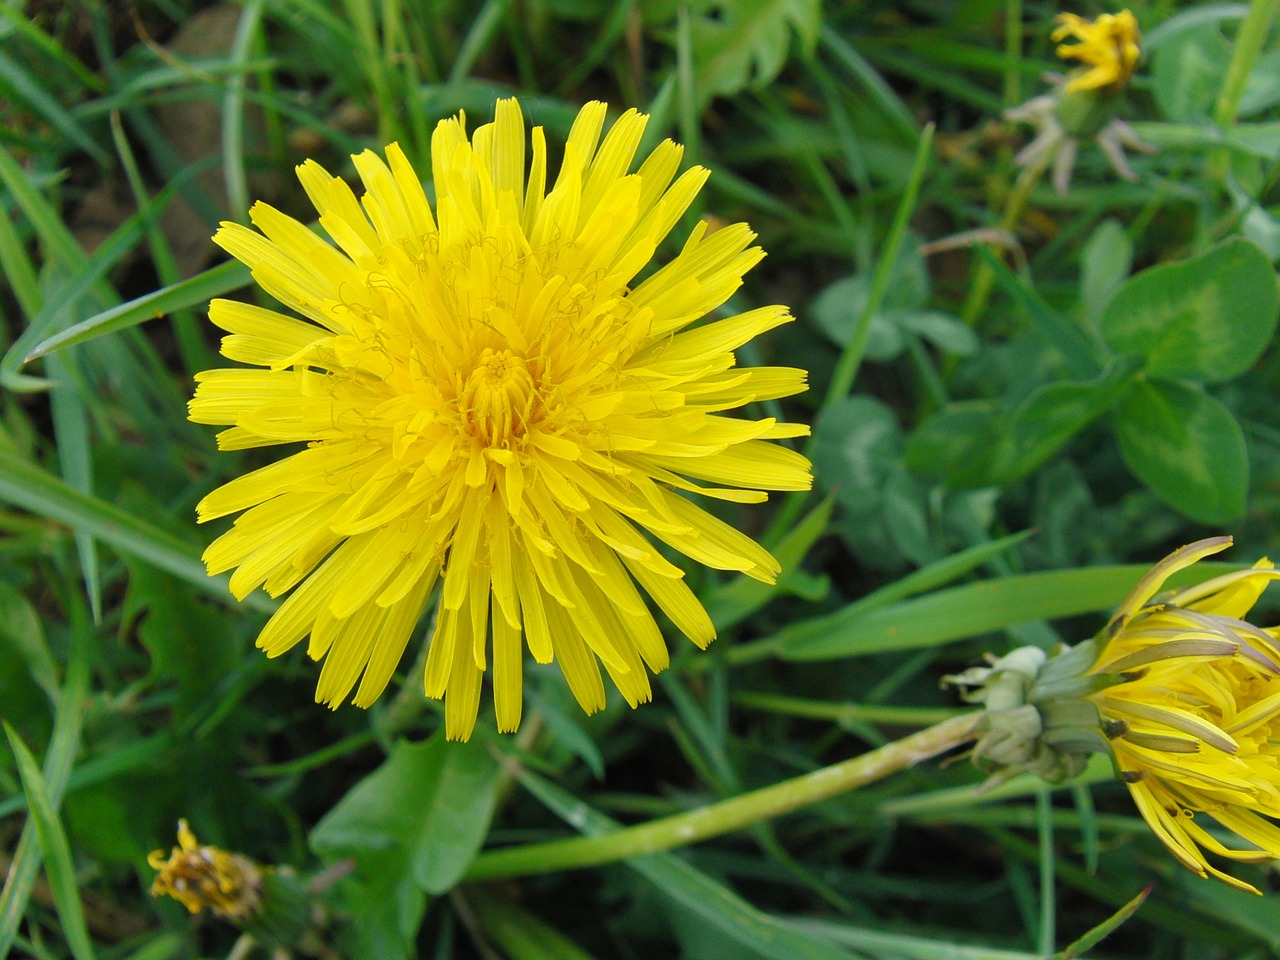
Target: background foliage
[1047,382]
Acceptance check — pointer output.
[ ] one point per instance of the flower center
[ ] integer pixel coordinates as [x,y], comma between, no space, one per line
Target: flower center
[497,398]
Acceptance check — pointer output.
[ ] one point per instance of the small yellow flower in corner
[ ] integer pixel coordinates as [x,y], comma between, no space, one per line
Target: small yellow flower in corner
[492,399]
[1109,47]
[200,876]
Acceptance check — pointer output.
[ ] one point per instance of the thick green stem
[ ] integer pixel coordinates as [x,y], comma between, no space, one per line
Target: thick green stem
[727,815]
[1248,45]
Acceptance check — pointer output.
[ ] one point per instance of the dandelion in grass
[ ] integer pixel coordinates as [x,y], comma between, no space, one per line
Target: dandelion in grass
[1108,47]
[1088,102]
[493,396]
[1196,719]
[1180,690]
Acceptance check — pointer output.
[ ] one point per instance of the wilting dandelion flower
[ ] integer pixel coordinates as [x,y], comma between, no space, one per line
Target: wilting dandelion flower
[270,904]
[492,396]
[201,876]
[1085,105]
[1179,689]
[1109,48]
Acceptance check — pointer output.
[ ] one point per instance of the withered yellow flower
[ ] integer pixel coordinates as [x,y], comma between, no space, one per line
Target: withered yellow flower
[1196,725]
[1109,47]
[493,396]
[200,876]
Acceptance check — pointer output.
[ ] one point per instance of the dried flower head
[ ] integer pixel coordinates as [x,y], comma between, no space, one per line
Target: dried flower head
[200,876]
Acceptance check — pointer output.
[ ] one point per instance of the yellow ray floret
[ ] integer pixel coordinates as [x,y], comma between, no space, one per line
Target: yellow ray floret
[1196,715]
[490,400]
[1109,47]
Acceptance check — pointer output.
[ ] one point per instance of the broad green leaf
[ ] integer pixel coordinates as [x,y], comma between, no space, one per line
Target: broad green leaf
[189,645]
[744,43]
[1187,72]
[1105,262]
[717,905]
[53,845]
[412,825]
[965,611]
[1187,447]
[1208,318]
[1047,421]
[957,445]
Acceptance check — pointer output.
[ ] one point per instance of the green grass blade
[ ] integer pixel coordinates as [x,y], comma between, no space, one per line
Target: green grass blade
[967,611]
[59,760]
[36,490]
[24,87]
[233,110]
[717,905]
[520,934]
[57,852]
[53,233]
[211,283]
[1104,929]
[71,430]
[743,596]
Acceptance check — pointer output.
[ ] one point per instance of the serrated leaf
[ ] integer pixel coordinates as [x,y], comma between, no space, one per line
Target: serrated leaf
[1208,318]
[1187,447]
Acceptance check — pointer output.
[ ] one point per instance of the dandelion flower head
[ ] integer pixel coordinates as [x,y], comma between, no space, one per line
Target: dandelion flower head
[1196,721]
[1109,47]
[494,398]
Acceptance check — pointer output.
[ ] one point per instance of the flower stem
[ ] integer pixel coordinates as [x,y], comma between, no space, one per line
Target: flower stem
[1015,203]
[727,815]
[1248,45]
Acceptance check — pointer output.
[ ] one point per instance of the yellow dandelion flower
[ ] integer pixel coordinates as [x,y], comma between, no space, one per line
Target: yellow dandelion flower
[1109,47]
[204,876]
[491,398]
[1196,724]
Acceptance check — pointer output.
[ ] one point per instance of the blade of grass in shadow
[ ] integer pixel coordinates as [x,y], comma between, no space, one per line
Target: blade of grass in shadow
[38,491]
[1104,929]
[196,354]
[54,51]
[211,283]
[59,760]
[720,907]
[22,86]
[481,33]
[54,848]
[71,432]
